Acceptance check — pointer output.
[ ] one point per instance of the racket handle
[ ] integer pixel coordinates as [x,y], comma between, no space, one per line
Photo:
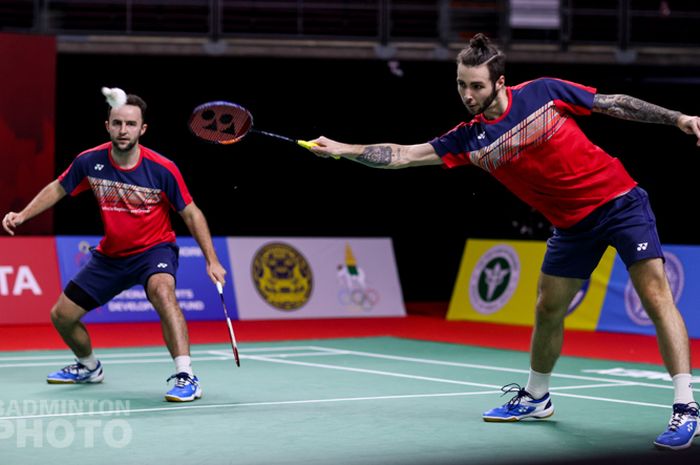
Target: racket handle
[219,287]
[307,145]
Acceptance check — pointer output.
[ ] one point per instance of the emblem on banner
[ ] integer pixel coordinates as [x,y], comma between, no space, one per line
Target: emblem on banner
[676,279]
[494,279]
[282,276]
[354,292]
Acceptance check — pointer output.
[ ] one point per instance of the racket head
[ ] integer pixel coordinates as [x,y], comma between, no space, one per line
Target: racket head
[220,122]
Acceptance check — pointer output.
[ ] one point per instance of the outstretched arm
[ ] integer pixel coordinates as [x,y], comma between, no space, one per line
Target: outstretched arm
[197,224]
[390,156]
[45,199]
[633,109]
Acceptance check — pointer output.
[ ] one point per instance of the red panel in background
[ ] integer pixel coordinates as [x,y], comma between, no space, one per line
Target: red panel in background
[29,279]
[27,126]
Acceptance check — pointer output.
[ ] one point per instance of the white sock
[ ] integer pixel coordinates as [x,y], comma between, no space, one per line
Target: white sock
[183,364]
[90,361]
[538,384]
[682,388]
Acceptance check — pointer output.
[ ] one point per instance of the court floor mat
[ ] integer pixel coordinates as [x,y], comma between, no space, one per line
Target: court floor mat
[340,401]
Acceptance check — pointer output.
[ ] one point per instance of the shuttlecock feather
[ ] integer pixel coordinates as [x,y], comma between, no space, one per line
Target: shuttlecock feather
[115,96]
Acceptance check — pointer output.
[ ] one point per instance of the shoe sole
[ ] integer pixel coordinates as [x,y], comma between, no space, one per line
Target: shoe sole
[513,419]
[96,380]
[195,396]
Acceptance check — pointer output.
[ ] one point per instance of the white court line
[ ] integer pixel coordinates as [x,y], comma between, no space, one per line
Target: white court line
[592,386]
[277,359]
[148,354]
[126,412]
[492,368]
[374,372]
[229,354]
[442,380]
[120,359]
[424,378]
[617,401]
[222,355]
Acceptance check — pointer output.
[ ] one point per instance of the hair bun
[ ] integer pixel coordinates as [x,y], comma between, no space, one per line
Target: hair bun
[479,41]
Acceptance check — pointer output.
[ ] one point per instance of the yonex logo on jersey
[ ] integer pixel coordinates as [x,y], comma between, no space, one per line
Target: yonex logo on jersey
[99,166]
[642,246]
[162,265]
[481,135]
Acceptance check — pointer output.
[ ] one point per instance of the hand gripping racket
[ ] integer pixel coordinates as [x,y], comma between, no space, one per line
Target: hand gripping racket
[223,122]
[234,346]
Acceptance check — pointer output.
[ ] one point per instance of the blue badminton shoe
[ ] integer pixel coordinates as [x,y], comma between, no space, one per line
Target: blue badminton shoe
[186,388]
[76,374]
[682,428]
[521,406]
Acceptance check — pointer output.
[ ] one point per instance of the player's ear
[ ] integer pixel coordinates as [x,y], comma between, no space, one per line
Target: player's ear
[144,126]
[500,82]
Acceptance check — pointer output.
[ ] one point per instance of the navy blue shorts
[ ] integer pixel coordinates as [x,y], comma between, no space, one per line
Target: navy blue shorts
[103,277]
[625,223]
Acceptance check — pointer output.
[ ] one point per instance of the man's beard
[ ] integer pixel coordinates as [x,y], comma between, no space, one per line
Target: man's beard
[129,146]
[487,103]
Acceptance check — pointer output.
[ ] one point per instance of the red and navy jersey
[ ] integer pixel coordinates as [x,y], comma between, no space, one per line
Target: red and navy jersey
[539,153]
[135,203]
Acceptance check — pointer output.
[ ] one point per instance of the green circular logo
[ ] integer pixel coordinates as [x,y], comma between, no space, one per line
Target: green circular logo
[494,279]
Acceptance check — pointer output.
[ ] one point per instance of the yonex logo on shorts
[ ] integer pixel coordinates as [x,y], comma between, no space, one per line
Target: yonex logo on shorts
[162,265]
[494,279]
[642,246]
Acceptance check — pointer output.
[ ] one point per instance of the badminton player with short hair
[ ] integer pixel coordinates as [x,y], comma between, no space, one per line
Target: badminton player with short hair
[135,188]
[526,137]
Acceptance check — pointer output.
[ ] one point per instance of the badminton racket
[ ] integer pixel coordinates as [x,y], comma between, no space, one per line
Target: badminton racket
[234,346]
[223,122]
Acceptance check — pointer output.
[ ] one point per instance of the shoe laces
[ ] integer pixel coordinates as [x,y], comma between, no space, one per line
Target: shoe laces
[679,412]
[519,391]
[181,380]
[75,368]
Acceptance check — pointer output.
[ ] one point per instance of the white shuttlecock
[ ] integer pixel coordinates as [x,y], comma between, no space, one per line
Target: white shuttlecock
[115,96]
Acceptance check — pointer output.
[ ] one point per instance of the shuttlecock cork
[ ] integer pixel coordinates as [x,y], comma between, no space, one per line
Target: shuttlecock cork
[115,96]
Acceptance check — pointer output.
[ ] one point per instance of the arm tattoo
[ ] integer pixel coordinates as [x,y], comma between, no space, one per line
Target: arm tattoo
[634,109]
[376,156]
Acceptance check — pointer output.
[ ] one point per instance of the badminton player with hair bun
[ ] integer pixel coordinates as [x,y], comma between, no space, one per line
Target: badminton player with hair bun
[527,138]
[135,188]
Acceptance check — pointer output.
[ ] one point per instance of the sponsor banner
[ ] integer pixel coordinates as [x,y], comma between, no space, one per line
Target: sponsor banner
[290,278]
[497,282]
[622,309]
[195,292]
[29,280]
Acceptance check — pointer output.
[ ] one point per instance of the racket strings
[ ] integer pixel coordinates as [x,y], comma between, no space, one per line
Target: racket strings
[221,122]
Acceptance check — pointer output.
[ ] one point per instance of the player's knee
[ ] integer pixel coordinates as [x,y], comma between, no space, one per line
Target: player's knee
[61,315]
[160,292]
[549,311]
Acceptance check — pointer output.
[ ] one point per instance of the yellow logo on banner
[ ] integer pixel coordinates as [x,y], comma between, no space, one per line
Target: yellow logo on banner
[282,276]
[497,282]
